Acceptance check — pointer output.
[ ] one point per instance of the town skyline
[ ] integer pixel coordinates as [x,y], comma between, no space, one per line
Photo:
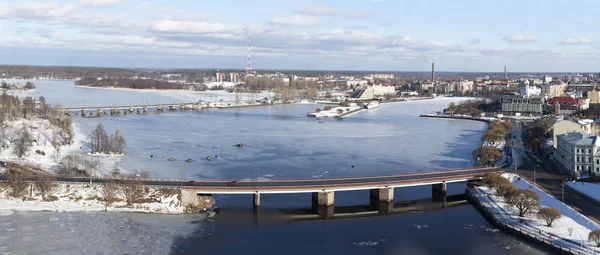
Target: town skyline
[330,35]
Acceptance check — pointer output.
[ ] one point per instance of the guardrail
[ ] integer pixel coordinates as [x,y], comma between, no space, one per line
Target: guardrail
[538,236]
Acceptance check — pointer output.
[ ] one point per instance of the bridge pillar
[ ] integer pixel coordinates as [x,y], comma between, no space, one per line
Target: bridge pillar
[438,191]
[383,194]
[256,200]
[323,198]
[145,109]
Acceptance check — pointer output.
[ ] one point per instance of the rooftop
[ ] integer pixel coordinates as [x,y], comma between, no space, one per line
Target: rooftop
[576,138]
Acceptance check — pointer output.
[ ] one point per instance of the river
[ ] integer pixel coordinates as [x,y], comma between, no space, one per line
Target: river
[280,142]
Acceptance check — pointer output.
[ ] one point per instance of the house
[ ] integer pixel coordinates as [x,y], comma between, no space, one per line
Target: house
[565,126]
[578,153]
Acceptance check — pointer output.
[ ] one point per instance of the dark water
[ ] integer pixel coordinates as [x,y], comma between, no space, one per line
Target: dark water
[425,227]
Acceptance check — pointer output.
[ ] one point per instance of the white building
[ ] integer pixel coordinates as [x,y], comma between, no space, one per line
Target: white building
[547,79]
[578,153]
[460,86]
[529,91]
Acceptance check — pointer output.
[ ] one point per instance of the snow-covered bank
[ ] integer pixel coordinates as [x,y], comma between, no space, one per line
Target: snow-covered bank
[570,230]
[43,153]
[591,190]
[336,111]
[68,197]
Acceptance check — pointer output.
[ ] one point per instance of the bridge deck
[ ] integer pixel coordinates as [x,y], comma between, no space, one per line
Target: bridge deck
[341,184]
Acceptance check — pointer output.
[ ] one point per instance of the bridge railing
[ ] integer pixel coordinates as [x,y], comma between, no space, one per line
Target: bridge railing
[417,175]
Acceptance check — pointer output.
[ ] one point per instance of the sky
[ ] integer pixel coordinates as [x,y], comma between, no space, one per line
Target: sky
[377,35]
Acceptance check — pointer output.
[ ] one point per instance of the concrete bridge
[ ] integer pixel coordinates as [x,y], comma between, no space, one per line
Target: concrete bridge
[323,190]
[98,111]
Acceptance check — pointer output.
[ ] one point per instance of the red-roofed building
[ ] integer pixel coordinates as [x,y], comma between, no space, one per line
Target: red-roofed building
[565,105]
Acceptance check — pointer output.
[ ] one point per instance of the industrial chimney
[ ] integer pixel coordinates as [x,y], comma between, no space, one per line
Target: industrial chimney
[505,73]
[432,72]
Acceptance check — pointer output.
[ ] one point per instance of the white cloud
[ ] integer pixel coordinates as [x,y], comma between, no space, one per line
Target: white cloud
[193,27]
[574,41]
[475,41]
[98,3]
[321,10]
[519,38]
[295,20]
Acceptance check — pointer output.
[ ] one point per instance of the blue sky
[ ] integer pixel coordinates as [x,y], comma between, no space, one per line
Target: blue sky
[386,35]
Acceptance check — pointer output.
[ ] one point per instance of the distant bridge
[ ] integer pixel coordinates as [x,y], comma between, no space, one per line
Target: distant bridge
[99,111]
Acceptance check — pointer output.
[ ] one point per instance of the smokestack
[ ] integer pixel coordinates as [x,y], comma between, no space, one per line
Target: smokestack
[505,73]
[432,72]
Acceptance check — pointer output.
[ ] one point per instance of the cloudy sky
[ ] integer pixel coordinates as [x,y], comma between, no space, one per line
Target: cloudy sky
[394,35]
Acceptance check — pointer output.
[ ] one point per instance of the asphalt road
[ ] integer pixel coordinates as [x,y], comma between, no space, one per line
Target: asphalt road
[549,177]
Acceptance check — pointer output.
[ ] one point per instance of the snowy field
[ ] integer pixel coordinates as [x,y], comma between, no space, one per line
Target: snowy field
[42,133]
[581,226]
[71,197]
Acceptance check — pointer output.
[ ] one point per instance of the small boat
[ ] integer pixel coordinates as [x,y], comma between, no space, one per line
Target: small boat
[372,105]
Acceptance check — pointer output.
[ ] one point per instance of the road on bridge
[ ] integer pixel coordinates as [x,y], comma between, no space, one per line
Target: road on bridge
[279,184]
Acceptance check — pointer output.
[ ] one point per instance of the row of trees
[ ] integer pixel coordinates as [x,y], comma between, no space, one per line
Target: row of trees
[101,142]
[469,107]
[5,86]
[496,132]
[127,189]
[538,132]
[527,201]
[524,200]
[132,83]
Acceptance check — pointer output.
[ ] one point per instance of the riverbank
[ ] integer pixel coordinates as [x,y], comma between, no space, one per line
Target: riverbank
[566,235]
[458,117]
[72,197]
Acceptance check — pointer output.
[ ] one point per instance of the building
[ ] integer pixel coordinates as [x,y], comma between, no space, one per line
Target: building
[373,91]
[220,77]
[554,89]
[458,86]
[497,85]
[421,86]
[382,76]
[578,153]
[565,126]
[566,105]
[530,105]
[357,83]
[594,96]
[547,79]
[531,91]
[233,77]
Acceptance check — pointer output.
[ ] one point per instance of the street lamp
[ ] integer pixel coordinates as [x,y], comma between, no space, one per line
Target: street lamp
[534,172]
[257,182]
[563,189]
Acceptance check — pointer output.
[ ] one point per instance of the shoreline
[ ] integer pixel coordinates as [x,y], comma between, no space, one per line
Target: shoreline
[166,90]
[81,197]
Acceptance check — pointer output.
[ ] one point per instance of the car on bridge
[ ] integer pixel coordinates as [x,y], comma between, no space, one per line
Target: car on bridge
[233,183]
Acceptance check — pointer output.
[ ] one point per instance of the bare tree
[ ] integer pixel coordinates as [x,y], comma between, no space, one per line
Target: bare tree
[23,144]
[44,185]
[132,190]
[16,180]
[594,236]
[525,201]
[109,189]
[549,215]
